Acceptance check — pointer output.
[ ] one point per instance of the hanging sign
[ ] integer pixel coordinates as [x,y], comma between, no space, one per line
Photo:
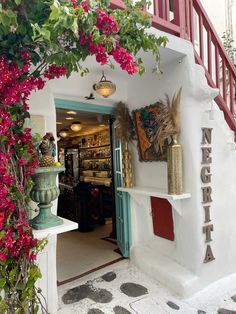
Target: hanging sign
[208,227]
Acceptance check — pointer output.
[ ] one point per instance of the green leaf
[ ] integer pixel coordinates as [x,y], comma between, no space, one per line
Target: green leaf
[141,70]
[2,282]
[2,234]
[13,273]
[17,2]
[54,11]
[3,138]
[20,286]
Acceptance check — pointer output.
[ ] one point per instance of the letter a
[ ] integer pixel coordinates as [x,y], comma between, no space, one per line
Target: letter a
[209,255]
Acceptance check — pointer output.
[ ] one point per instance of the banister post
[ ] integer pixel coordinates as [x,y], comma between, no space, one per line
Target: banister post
[179,10]
[182,5]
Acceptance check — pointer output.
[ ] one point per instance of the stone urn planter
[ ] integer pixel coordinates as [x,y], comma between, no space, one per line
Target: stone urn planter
[44,192]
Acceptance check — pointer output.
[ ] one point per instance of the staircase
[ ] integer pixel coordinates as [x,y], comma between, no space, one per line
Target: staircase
[187,19]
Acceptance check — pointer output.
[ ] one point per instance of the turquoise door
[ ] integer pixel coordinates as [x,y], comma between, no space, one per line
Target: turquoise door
[122,200]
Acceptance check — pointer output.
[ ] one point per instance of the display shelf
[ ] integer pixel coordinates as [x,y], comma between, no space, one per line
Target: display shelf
[96,158]
[93,169]
[97,180]
[95,147]
[174,200]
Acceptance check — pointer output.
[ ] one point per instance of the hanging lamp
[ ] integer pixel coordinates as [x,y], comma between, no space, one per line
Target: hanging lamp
[76,126]
[64,133]
[104,87]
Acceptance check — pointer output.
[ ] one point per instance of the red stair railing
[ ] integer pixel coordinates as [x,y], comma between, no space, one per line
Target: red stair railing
[165,15]
[188,19]
[210,53]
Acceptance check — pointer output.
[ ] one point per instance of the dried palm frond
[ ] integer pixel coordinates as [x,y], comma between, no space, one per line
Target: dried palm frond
[124,122]
[168,119]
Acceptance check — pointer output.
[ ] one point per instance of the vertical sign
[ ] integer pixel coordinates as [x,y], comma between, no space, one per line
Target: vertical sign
[208,227]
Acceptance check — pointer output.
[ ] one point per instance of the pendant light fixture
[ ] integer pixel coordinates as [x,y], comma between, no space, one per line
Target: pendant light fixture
[104,87]
[58,137]
[76,126]
[64,133]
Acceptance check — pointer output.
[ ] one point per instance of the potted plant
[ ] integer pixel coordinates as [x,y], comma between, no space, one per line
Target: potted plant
[45,189]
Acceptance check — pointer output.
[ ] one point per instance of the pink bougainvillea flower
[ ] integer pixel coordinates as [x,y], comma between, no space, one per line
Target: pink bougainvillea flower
[22,162]
[55,71]
[106,23]
[84,5]
[3,256]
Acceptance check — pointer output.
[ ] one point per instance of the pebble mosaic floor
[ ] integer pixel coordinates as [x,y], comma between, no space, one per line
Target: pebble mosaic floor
[122,289]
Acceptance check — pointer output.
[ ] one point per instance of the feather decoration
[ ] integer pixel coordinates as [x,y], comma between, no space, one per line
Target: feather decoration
[168,119]
[124,123]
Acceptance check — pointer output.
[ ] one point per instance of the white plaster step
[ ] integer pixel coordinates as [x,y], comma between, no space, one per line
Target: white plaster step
[164,270]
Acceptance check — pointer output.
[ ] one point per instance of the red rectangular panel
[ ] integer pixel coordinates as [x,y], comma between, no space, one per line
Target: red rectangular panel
[162,218]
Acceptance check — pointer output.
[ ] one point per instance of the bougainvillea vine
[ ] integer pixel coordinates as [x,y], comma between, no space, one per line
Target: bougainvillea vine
[41,40]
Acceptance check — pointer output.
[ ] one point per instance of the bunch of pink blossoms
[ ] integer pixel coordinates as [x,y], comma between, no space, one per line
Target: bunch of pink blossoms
[107,25]
[12,89]
[123,57]
[17,152]
[55,71]
[17,241]
[16,235]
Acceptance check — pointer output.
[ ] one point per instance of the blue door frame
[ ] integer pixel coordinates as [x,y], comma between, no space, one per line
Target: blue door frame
[81,106]
[122,199]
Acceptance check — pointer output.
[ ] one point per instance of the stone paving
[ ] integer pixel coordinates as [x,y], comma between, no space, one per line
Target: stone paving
[122,289]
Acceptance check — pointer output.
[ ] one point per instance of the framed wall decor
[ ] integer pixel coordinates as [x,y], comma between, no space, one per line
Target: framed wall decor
[147,126]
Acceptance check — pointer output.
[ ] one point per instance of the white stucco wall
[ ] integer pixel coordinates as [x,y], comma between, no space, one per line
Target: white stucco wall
[177,264]
[77,87]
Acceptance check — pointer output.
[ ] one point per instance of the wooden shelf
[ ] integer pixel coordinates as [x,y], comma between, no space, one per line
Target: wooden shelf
[174,200]
[85,169]
[94,147]
[95,158]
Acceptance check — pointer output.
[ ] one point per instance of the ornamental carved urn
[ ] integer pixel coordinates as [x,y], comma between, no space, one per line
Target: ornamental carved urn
[44,192]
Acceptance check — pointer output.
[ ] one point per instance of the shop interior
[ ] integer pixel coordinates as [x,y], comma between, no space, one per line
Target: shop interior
[86,193]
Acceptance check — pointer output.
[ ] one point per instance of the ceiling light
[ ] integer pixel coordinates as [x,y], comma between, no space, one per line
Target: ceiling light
[101,124]
[70,118]
[104,88]
[76,126]
[64,132]
[59,122]
[71,112]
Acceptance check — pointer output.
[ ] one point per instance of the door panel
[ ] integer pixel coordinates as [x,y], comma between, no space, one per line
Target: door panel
[122,200]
